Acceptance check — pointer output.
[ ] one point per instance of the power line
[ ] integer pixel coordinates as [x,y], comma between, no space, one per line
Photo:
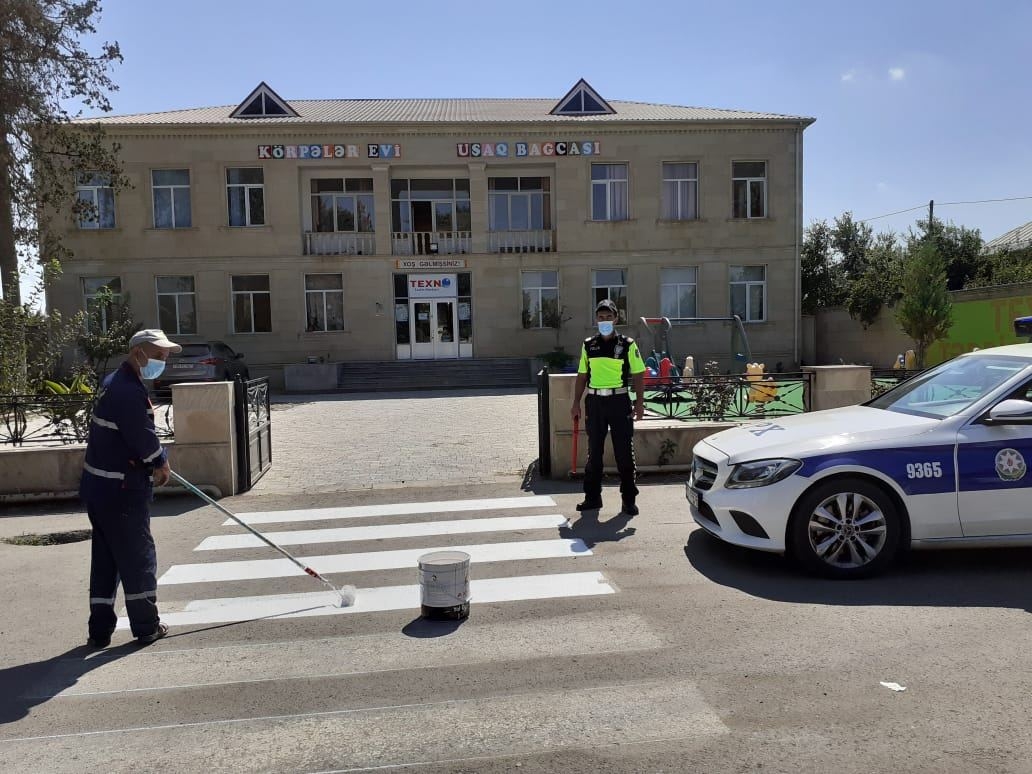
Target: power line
[944,204]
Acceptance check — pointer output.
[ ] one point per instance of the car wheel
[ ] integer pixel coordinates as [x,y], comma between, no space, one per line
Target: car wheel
[845,528]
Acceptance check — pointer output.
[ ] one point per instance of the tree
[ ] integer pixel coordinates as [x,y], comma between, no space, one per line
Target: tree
[959,247]
[43,68]
[880,281]
[108,327]
[925,311]
[1003,268]
[821,278]
[851,239]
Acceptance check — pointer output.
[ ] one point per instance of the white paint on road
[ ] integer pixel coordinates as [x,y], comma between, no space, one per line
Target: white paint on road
[364,562]
[394,509]
[385,531]
[505,641]
[277,606]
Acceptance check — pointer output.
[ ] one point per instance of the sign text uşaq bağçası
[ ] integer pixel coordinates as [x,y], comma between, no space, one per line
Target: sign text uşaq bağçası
[521,149]
[373,151]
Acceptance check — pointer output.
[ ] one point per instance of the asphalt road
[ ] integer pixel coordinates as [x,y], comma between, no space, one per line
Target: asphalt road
[677,654]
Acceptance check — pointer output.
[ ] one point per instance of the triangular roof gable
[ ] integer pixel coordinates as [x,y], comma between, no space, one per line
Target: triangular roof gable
[582,100]
[263,102]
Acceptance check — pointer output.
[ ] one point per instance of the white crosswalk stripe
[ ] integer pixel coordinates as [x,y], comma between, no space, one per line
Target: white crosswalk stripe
[537,544]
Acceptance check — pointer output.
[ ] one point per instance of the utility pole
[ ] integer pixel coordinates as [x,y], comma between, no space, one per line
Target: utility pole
[931,210]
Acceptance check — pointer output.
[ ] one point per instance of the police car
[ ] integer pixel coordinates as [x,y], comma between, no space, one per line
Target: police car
[941,460]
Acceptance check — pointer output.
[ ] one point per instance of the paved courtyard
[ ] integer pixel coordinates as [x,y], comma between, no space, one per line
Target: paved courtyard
[327,443]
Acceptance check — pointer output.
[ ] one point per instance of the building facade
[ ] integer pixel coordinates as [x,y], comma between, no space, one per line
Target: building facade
[377,230]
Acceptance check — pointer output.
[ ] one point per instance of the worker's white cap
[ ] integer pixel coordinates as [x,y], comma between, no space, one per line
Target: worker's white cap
[154,336]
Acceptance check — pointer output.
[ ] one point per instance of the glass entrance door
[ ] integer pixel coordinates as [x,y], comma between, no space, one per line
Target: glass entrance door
[422,328]
[433,329]
[446,344]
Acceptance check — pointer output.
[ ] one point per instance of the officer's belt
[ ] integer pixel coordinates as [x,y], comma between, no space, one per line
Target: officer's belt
[603,391]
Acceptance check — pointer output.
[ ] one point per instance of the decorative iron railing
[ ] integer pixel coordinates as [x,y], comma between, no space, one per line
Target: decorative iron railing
[65,419]
[727,397]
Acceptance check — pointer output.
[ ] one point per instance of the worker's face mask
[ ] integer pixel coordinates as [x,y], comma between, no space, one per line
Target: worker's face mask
[152,369]
[605,327]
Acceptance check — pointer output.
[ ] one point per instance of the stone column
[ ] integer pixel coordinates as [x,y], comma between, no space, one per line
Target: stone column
[478,206]
[382,207]
[204,452]
[838,385]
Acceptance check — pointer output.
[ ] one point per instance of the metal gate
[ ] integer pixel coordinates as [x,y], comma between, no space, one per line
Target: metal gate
[253,430]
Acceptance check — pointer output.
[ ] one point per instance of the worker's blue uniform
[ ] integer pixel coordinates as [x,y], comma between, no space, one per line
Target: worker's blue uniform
[116,486]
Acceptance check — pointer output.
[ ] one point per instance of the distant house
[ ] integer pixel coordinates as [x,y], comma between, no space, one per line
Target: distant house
[1015,239]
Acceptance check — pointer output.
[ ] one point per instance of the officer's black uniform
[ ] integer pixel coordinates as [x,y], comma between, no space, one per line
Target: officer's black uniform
[122,451]
[609,364]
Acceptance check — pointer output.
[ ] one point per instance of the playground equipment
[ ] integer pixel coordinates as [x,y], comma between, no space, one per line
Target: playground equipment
[659,330]
[760,390]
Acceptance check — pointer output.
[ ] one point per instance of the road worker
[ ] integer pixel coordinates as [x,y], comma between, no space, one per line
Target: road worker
[124,461]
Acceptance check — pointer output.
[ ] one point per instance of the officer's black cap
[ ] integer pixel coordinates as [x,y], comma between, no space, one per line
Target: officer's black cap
[605,303]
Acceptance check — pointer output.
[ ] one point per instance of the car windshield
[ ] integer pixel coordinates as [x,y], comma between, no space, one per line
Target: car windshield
[950,388]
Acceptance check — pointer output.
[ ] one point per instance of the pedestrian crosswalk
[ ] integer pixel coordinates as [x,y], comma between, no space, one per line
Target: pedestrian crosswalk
[227,584]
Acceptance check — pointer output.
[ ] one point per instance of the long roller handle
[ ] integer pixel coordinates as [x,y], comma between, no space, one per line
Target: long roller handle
[254,532]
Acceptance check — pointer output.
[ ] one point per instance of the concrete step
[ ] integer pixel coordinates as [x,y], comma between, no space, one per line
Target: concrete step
[434,374]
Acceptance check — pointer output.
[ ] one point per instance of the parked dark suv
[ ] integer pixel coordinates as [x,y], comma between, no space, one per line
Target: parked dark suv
[211,361]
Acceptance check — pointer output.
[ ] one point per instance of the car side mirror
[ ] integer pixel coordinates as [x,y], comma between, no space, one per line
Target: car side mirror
[1011,412]
[238,356]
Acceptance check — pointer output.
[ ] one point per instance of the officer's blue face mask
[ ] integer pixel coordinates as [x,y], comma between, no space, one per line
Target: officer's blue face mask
[152,369]
[605,327]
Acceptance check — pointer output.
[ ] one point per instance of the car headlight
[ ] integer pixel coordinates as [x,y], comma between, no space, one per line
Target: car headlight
[761,473]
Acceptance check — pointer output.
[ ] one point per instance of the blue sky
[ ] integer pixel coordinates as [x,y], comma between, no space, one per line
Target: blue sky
[914,100]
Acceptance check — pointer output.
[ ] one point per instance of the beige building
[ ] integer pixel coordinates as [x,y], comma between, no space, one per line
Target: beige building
[382,230]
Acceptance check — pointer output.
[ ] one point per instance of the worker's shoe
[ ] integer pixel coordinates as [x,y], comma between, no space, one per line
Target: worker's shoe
[589,505]
[99,642]
[629,508]
[157,634]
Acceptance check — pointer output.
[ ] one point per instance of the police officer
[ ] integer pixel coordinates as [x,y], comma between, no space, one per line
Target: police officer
[608,361]
[124,461]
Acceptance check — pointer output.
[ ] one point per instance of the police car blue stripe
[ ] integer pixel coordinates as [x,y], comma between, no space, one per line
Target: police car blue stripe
[893,463]
[979,470]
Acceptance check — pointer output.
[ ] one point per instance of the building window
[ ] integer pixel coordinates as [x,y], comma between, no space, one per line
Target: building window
[171,188]
[540,299]
[519,203]
[749,189]
[678,292]
[252,303]
[609,192]
[680,191]
[611,284]
[749,292]
[423,206]
[324,302]
[103,297]
[245,188]
[343,204]
[177,304]
[96,207]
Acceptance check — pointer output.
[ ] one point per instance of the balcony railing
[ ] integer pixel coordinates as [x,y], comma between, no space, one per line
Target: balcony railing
[521,241]
[431,242]
[339,243]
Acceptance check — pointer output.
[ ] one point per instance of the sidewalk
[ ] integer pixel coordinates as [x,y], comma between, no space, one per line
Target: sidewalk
[328,443]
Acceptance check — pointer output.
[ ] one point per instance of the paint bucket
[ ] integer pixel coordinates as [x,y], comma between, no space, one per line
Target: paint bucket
[444,585]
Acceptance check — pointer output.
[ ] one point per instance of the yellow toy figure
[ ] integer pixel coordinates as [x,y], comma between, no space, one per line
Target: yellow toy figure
[910,360]
[760,391]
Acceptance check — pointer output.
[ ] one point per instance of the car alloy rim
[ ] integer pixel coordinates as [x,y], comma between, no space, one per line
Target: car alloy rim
[847,530]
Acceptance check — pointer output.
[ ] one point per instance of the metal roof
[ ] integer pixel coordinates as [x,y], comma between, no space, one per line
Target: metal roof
[438,111]
[1014,239]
